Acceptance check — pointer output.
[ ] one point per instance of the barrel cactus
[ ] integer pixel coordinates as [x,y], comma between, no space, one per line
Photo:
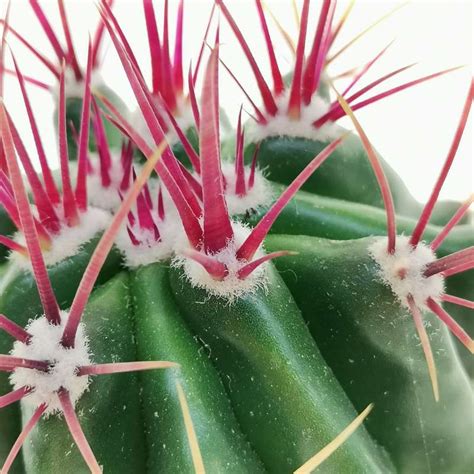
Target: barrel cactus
[175,299]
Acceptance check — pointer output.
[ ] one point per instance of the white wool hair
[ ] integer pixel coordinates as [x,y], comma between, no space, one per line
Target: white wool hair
[231,288]
[69,240]
[413,262]
[281,124]
[261,193]
[149,250]
[108,198]
[74,88]
[45,345]
[184,117]
[99,196]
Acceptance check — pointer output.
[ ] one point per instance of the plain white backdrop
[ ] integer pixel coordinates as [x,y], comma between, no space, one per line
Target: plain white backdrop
[412,130]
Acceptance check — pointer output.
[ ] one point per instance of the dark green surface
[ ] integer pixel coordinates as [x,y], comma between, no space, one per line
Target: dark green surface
[7,228]
[320,216]
[370,343]
[285,397]
[161,334]
[74,114]
[346,174]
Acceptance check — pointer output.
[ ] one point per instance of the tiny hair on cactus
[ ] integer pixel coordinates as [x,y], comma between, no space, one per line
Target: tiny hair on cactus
[151,229]
[410,267]
[50,363]
[297,110]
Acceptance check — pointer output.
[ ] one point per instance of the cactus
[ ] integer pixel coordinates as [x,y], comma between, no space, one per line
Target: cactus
[166,308]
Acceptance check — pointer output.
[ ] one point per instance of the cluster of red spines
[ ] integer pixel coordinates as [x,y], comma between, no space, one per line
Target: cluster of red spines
[449,265]
[201,204]
[308,71]
[57,209]
[148,216]
[51,310]
[46,196]
[67,54]
[54,209]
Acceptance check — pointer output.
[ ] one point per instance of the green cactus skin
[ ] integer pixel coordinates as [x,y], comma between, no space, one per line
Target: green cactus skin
[20,300]
[19,295]
[378,356]
[178,149]
[161,334]
[73,114]
[462,286]
[347,175]
[284,396]
[7,228]
[110,412]
[330,218]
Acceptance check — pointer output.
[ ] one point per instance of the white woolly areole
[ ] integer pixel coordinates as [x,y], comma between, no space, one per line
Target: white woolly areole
[74,88]
[259,195]
[69,240]
[183,116]
[45,345]
[403,270]
[281,124]
[107,198]
[231,288]
[149,250]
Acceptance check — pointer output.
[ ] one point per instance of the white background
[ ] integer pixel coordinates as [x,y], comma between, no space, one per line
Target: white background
[412,130]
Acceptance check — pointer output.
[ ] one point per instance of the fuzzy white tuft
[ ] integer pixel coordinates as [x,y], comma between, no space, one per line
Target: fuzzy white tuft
[99,196]
[231,288]
[184,117]
[403,270]
[261,193]
[45,345]
[282,125]
[74,88]
[149,250]
[69,240]
[108,198]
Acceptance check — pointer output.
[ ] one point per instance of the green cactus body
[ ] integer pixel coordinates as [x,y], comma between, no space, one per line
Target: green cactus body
[337,219]
[7,228]
[74,116]
[162,334]
[461,286]
[19,295]
[346,176]
[348,306]
[280,386]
